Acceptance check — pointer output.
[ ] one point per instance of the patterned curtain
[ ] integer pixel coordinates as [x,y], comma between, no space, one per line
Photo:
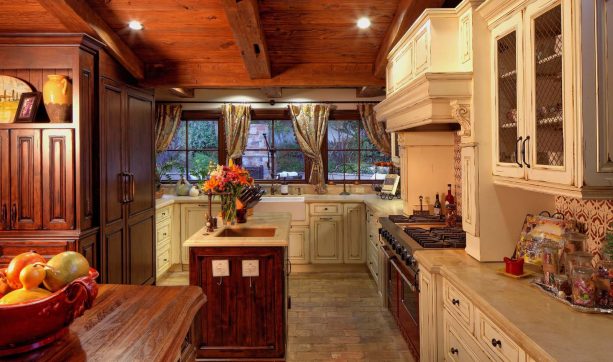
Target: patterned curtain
[375,130]
[237,118]
[167,118]
[310,125]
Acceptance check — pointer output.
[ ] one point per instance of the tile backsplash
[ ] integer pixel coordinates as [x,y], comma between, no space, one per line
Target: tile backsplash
[595,215]
[457,172]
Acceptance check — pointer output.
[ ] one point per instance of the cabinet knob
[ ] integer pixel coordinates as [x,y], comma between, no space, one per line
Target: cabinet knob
[164,234]
[325,208]
[496,343]
[454,350]
[165,259]
[455,302]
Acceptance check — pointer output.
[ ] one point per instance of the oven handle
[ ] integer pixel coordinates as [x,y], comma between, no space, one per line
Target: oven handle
[411,286]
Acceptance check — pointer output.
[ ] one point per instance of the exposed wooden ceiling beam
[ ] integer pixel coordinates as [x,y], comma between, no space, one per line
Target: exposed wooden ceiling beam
[272,92]
[369,92]
[182,92]
[227,75]
[77,16]
[244,18]
[408,11]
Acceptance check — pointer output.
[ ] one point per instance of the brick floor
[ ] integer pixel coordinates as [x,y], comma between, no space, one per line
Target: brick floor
[335,317]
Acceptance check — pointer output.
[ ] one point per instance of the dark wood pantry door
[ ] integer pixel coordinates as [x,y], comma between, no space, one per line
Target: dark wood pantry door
[58,179]
[5,190]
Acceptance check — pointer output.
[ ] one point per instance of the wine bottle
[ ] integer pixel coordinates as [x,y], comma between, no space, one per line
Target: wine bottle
[437,206]
[449,199]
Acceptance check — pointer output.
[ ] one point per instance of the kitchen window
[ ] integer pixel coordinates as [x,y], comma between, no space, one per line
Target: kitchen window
[194,146]
[350,151]
[289,159]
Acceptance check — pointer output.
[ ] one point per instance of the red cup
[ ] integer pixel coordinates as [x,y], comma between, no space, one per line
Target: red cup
[514,266]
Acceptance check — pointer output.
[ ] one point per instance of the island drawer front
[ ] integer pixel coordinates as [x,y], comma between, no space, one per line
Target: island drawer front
[163,260]
[459,306]
[163,231]
[459,344]
[326,209]
[163,214]
[493,340]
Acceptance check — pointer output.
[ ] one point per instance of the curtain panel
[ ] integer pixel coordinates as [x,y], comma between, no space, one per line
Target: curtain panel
[310,123]
[167,118]
[375,130]
[237,118]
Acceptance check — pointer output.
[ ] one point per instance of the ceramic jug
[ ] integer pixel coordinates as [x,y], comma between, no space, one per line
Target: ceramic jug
[57,97]
[193,192]
[183,187]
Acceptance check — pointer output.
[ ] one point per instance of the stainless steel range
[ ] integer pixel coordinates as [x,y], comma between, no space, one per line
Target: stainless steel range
[403,235]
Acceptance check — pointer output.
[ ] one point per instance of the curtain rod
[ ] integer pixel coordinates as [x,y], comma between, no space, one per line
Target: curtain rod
[272,102]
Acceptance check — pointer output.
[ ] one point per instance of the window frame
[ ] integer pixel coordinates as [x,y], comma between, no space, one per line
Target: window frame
[276,115]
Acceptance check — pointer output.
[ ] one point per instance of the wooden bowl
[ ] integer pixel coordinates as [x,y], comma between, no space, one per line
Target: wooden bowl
[30,325]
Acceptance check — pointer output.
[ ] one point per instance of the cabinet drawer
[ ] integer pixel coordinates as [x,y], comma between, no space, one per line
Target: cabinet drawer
[326,209]
[163,231]
[493,340]
[163,260]
[163,214]
[459,306]
[48,249]
[458,344]
[373,266]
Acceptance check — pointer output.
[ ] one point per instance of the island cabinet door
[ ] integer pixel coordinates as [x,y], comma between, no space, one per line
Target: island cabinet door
[243,315]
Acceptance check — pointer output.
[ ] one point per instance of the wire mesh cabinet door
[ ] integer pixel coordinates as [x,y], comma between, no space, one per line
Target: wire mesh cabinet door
[547,148]
[508,105]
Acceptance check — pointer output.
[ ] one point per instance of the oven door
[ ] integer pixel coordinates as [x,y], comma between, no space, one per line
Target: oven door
[408,305]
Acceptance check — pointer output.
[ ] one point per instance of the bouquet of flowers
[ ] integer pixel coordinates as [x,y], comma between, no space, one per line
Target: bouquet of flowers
[228,182]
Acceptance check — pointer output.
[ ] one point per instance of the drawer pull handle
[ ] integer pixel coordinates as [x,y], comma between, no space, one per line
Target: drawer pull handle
[165,259]
[325,218]
[325,208]
[454,350]
[455,302]
[496,343]
[164,234]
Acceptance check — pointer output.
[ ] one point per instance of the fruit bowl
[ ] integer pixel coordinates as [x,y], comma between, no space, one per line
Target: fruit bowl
[33,324]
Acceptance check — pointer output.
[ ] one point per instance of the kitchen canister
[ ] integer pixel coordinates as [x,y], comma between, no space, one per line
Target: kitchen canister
[57,98]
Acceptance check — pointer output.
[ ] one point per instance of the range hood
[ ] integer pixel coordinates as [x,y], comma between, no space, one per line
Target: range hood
[429,74]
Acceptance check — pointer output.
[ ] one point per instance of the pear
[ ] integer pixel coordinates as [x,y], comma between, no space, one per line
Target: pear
[63,269]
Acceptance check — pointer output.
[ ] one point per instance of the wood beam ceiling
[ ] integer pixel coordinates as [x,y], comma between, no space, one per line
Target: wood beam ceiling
[244,18]
[77,16]
[228,75]
[182,92]
[406,14]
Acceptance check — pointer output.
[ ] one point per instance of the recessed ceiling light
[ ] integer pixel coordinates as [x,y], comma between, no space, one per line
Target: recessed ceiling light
[363,23]
[135,25]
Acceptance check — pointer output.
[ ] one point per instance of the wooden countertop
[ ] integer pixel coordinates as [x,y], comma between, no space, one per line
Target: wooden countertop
[127,323]
[546,328]
[280,221]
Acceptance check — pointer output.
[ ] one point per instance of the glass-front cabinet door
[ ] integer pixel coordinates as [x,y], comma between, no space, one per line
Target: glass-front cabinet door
[547,151]
[508,111]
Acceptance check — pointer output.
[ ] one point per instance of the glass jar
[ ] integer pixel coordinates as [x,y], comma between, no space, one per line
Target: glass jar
[551,258]
[583,287]
[604,284]
[573,242]
[577,259]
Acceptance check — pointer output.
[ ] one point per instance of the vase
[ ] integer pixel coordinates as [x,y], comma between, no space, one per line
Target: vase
[57,97]
[182,187]
[228,208]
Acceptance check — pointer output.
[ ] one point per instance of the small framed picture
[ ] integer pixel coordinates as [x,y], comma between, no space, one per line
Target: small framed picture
[28,106]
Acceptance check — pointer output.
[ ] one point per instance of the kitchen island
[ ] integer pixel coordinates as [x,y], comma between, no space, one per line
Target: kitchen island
[242,270]
[129,323]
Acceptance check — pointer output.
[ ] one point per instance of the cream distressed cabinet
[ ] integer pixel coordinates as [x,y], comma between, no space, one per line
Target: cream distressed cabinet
[337,233]
[163,220]
[543,129]
[299,241]
[192,220]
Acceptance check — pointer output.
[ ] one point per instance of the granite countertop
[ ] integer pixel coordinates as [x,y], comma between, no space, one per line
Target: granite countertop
[279,221]
[546,328]
[387,207]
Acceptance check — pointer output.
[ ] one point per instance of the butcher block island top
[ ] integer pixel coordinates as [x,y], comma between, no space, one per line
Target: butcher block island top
[265,229]
[129,323]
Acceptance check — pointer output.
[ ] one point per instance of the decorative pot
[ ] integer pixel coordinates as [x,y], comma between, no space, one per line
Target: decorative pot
[57,97]
[228,208]
[183,187]
[193,192]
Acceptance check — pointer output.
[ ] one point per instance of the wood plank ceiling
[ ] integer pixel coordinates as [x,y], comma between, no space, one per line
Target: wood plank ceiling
[196,43]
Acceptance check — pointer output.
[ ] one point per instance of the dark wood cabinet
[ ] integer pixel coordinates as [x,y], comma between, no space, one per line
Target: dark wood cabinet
[5,190]
[58,179]
[127,190]
[244,317]
[26,183]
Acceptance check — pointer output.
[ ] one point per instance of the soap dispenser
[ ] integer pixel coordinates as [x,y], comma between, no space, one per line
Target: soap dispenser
[284,187]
